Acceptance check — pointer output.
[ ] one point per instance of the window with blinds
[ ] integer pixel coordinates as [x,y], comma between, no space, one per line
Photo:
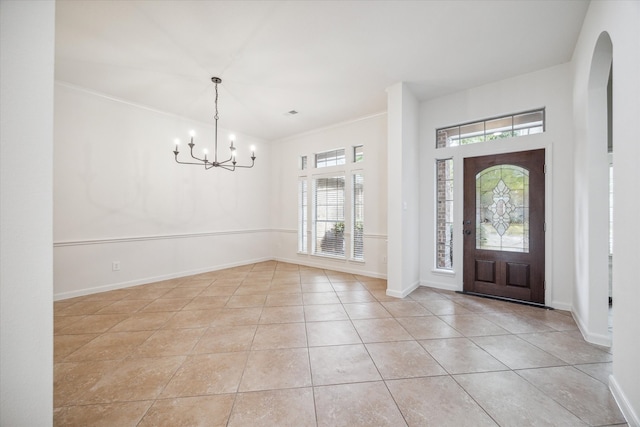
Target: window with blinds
[328,216]
[302,215]
[357,233]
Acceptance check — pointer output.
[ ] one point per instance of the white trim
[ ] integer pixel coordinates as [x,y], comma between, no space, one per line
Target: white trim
[375,236]
[443,286]
[341,265]
[443,272]
[329,256]
[122,285]
[366,235]
[285,230]
[623,403]
[548,220]
[404,293]
[603,340]
[156,237]
[548,200]
[558,305]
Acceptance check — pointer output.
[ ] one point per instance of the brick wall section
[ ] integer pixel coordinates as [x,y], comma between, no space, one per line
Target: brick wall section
[444,239]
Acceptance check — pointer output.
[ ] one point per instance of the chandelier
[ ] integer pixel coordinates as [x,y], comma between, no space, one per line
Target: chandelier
[229,164]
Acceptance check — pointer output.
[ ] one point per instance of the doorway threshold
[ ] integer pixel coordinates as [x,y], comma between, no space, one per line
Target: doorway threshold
[516,301]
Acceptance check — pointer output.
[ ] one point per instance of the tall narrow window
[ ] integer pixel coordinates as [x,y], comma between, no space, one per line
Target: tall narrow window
[303,162]
[302,215]
[328,218]
[358,217]
[444,220]
[358,154]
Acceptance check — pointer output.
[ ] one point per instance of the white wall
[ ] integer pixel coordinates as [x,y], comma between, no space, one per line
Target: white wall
[26,147]
[404,191]
[285,159]
[120,196]
[549,88]
[621,20]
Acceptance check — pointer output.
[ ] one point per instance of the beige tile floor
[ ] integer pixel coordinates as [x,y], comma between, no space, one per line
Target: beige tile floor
[274,344]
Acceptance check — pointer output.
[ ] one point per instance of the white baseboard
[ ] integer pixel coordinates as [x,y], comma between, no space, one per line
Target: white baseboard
[561,306]
[145,280]
[404,293]
[625,406]
[598,339]
[443,286]
[332,264]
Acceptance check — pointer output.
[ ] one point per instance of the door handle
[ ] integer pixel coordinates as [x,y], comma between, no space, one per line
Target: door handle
[466,232]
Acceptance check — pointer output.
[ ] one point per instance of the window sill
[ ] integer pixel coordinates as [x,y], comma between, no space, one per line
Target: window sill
[336,257]
[443,272]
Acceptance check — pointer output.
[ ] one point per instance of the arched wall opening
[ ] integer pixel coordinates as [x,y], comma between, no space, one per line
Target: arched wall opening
[597,165]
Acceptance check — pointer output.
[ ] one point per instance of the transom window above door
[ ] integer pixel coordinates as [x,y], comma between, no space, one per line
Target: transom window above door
[519,124]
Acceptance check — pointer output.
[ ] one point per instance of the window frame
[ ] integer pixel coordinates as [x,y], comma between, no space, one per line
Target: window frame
[493,134]
[303,215]
[335,157]
[314,217]
[355,218]
[445,213]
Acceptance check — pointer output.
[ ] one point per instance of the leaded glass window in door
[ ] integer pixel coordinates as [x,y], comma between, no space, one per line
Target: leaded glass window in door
[502,209]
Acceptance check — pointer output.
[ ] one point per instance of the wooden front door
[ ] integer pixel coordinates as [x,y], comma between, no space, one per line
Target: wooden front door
[503,226]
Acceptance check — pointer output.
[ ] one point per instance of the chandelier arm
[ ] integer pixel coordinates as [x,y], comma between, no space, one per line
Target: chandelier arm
[225,167]
[208,165]
[192,163]
[245,166]
[230,159]
[197,158]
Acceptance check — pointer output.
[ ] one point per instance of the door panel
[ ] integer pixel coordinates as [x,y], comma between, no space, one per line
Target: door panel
[503,225]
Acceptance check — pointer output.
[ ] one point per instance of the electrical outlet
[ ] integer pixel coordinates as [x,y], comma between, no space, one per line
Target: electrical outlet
[115,266]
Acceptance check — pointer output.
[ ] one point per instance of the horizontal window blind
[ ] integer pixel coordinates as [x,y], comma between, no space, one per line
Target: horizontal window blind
[302,215]
[358,217]
[328,218]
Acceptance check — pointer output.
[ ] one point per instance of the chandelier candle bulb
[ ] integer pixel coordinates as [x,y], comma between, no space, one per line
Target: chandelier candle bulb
[229,164]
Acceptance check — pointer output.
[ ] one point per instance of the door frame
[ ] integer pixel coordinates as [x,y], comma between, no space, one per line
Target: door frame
[538,295]
[458,154]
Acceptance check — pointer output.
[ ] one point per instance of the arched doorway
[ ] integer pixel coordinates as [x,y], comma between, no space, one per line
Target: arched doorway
[599,158]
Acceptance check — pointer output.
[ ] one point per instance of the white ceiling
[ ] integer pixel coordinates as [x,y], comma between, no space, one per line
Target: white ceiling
[329,60]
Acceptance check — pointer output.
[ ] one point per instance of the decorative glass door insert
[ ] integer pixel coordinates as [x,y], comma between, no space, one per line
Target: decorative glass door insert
[502,209]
